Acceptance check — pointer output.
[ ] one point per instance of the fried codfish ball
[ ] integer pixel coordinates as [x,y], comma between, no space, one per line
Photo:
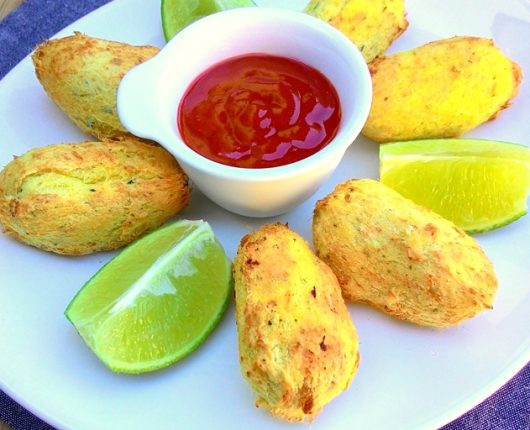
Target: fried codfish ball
[80,198]
[401,258]
[81,75]
[371,24]
[441,89]
[298,346]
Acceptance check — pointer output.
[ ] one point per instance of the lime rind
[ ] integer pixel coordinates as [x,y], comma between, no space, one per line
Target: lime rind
[496,224]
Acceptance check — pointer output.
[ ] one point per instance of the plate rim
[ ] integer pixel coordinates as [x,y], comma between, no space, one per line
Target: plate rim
[452,412]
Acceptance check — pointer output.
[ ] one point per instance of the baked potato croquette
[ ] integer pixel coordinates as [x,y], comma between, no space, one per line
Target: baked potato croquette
[442,89]
[372,25]
[401,258]
[298,346]
[81,75]
[80,198]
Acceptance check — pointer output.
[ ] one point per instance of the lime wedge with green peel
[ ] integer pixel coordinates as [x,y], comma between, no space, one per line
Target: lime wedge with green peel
[177,14]
[157,300]
[478,184]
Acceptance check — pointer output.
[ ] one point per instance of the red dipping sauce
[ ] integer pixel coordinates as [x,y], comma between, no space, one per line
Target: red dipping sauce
[258,111]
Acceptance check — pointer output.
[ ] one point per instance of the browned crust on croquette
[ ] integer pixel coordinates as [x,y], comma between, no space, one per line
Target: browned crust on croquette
[401,258]
[81,75]
[298,347]
[86,197]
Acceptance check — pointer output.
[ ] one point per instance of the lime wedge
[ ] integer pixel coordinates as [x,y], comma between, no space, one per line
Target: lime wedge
[480,185]
[157,300]
[177,14]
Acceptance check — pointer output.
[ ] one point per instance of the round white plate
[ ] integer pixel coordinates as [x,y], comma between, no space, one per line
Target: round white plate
[409,378]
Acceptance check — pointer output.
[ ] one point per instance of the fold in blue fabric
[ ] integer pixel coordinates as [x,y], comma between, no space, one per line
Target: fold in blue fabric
[37,20]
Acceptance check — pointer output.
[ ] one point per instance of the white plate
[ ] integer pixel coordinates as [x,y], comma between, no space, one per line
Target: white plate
[410,377]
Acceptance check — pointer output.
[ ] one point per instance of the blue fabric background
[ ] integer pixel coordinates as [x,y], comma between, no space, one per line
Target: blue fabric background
[37,20]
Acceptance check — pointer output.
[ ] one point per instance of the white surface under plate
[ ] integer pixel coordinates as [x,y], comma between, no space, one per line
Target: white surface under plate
[409,378]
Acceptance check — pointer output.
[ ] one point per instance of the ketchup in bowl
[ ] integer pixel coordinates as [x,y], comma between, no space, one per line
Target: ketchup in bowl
[259,111]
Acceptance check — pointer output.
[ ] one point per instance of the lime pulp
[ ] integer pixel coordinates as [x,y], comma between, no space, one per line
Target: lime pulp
[156,301]
[478,184]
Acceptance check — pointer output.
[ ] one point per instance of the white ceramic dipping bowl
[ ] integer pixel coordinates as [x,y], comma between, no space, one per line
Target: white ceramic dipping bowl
[149,96]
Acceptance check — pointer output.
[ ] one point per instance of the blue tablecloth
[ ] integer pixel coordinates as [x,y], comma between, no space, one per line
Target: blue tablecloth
[36,20]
